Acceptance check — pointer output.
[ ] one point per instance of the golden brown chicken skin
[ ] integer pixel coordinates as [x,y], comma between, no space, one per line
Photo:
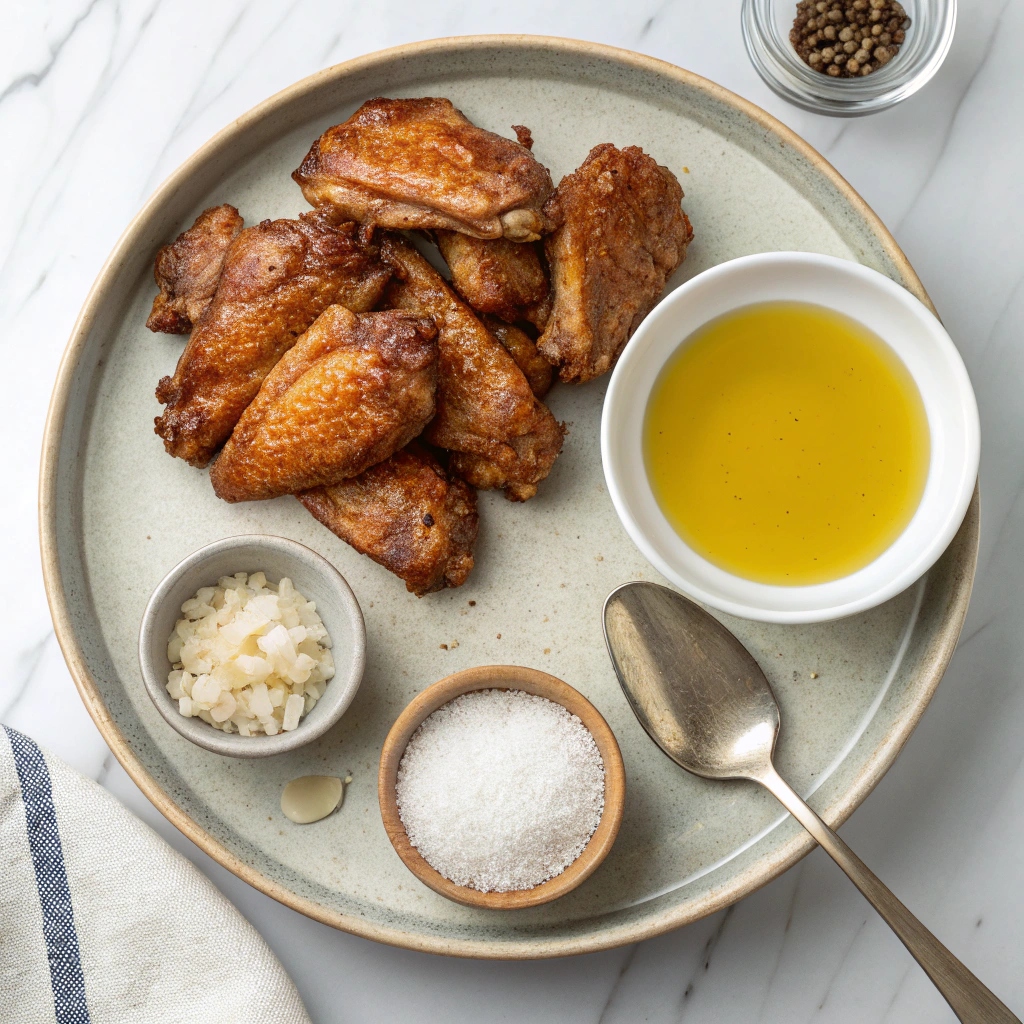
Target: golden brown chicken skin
[349,393]
[500,435]
[622,233]
[420,163]
[523,349]
[497,276]
[187,270]
[408,515]
[278,278]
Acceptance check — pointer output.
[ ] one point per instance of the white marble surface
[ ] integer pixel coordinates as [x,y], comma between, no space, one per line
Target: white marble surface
[100,99]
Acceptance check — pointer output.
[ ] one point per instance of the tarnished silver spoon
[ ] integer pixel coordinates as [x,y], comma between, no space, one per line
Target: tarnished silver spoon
[705,701]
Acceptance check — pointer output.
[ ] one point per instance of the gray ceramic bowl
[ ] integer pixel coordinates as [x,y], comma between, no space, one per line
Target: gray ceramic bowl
[314,577]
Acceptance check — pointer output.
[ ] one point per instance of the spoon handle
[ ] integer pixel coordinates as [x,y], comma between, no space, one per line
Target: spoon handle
[971,1001]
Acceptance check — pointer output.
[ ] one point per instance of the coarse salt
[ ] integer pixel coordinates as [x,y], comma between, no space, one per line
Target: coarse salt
[500,790]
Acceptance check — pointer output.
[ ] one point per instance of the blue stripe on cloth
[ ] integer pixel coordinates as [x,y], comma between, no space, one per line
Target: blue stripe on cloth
[59,932]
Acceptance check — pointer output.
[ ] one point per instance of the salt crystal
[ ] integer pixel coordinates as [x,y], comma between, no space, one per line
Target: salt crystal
[500,790]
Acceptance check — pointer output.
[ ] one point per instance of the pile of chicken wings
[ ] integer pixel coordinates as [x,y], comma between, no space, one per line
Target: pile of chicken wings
[329,359]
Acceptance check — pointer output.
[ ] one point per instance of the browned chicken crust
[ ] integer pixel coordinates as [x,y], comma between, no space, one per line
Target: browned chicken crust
[500,435]
[497,276]
[408,515]
[622,233]
[278,278]
[187,270]
[523,349]
[420,163]
[349,393]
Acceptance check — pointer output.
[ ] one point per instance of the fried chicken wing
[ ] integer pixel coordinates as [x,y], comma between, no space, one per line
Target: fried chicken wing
[420,163]
[500,435]
[350,392]
[187,270]
[278,277]
[622,233]
[523,349]
[497,276]
[408,515]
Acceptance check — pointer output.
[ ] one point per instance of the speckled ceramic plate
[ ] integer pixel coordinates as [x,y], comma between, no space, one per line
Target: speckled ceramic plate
[117,513]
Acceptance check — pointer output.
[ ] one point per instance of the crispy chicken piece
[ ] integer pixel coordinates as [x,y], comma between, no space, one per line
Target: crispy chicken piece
[500,435]
[524,135]
[497,276]
[187,270]
[349,393]
[408,515]
[621,234]
[523,349]
[278,278]
[420,163]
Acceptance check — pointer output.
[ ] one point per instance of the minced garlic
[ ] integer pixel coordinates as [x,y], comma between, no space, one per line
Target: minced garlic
[249,657]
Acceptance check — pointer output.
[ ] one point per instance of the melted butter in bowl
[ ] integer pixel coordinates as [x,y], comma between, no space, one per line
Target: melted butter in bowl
[791,437]
[786,443]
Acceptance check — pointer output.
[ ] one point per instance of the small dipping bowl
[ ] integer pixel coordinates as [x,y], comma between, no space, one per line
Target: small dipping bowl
[883,307]
[503,677]
[314,577]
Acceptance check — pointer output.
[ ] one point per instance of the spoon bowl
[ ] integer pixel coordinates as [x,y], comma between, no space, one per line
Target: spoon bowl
[693,686]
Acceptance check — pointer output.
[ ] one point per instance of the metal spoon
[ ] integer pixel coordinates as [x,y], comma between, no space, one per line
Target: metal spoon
[705,701]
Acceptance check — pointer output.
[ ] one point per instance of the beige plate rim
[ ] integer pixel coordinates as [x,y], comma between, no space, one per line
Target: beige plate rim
[516,949]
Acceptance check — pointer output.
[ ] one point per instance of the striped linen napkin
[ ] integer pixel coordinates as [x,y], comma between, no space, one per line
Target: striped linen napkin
[102,922]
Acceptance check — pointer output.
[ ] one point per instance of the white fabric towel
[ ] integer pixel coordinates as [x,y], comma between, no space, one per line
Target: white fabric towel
[101,922]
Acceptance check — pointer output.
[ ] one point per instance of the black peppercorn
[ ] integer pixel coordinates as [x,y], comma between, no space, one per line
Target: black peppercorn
[848,39]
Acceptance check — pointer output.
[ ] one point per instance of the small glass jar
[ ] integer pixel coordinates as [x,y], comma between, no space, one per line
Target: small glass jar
[766,27]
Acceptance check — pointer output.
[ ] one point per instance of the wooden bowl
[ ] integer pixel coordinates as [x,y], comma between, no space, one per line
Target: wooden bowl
[503,677]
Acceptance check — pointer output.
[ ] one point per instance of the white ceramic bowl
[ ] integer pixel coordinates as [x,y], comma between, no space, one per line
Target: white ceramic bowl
[879,304]
[314,577]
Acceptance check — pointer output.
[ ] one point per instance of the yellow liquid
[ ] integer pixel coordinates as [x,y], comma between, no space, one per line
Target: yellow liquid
[786,444]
